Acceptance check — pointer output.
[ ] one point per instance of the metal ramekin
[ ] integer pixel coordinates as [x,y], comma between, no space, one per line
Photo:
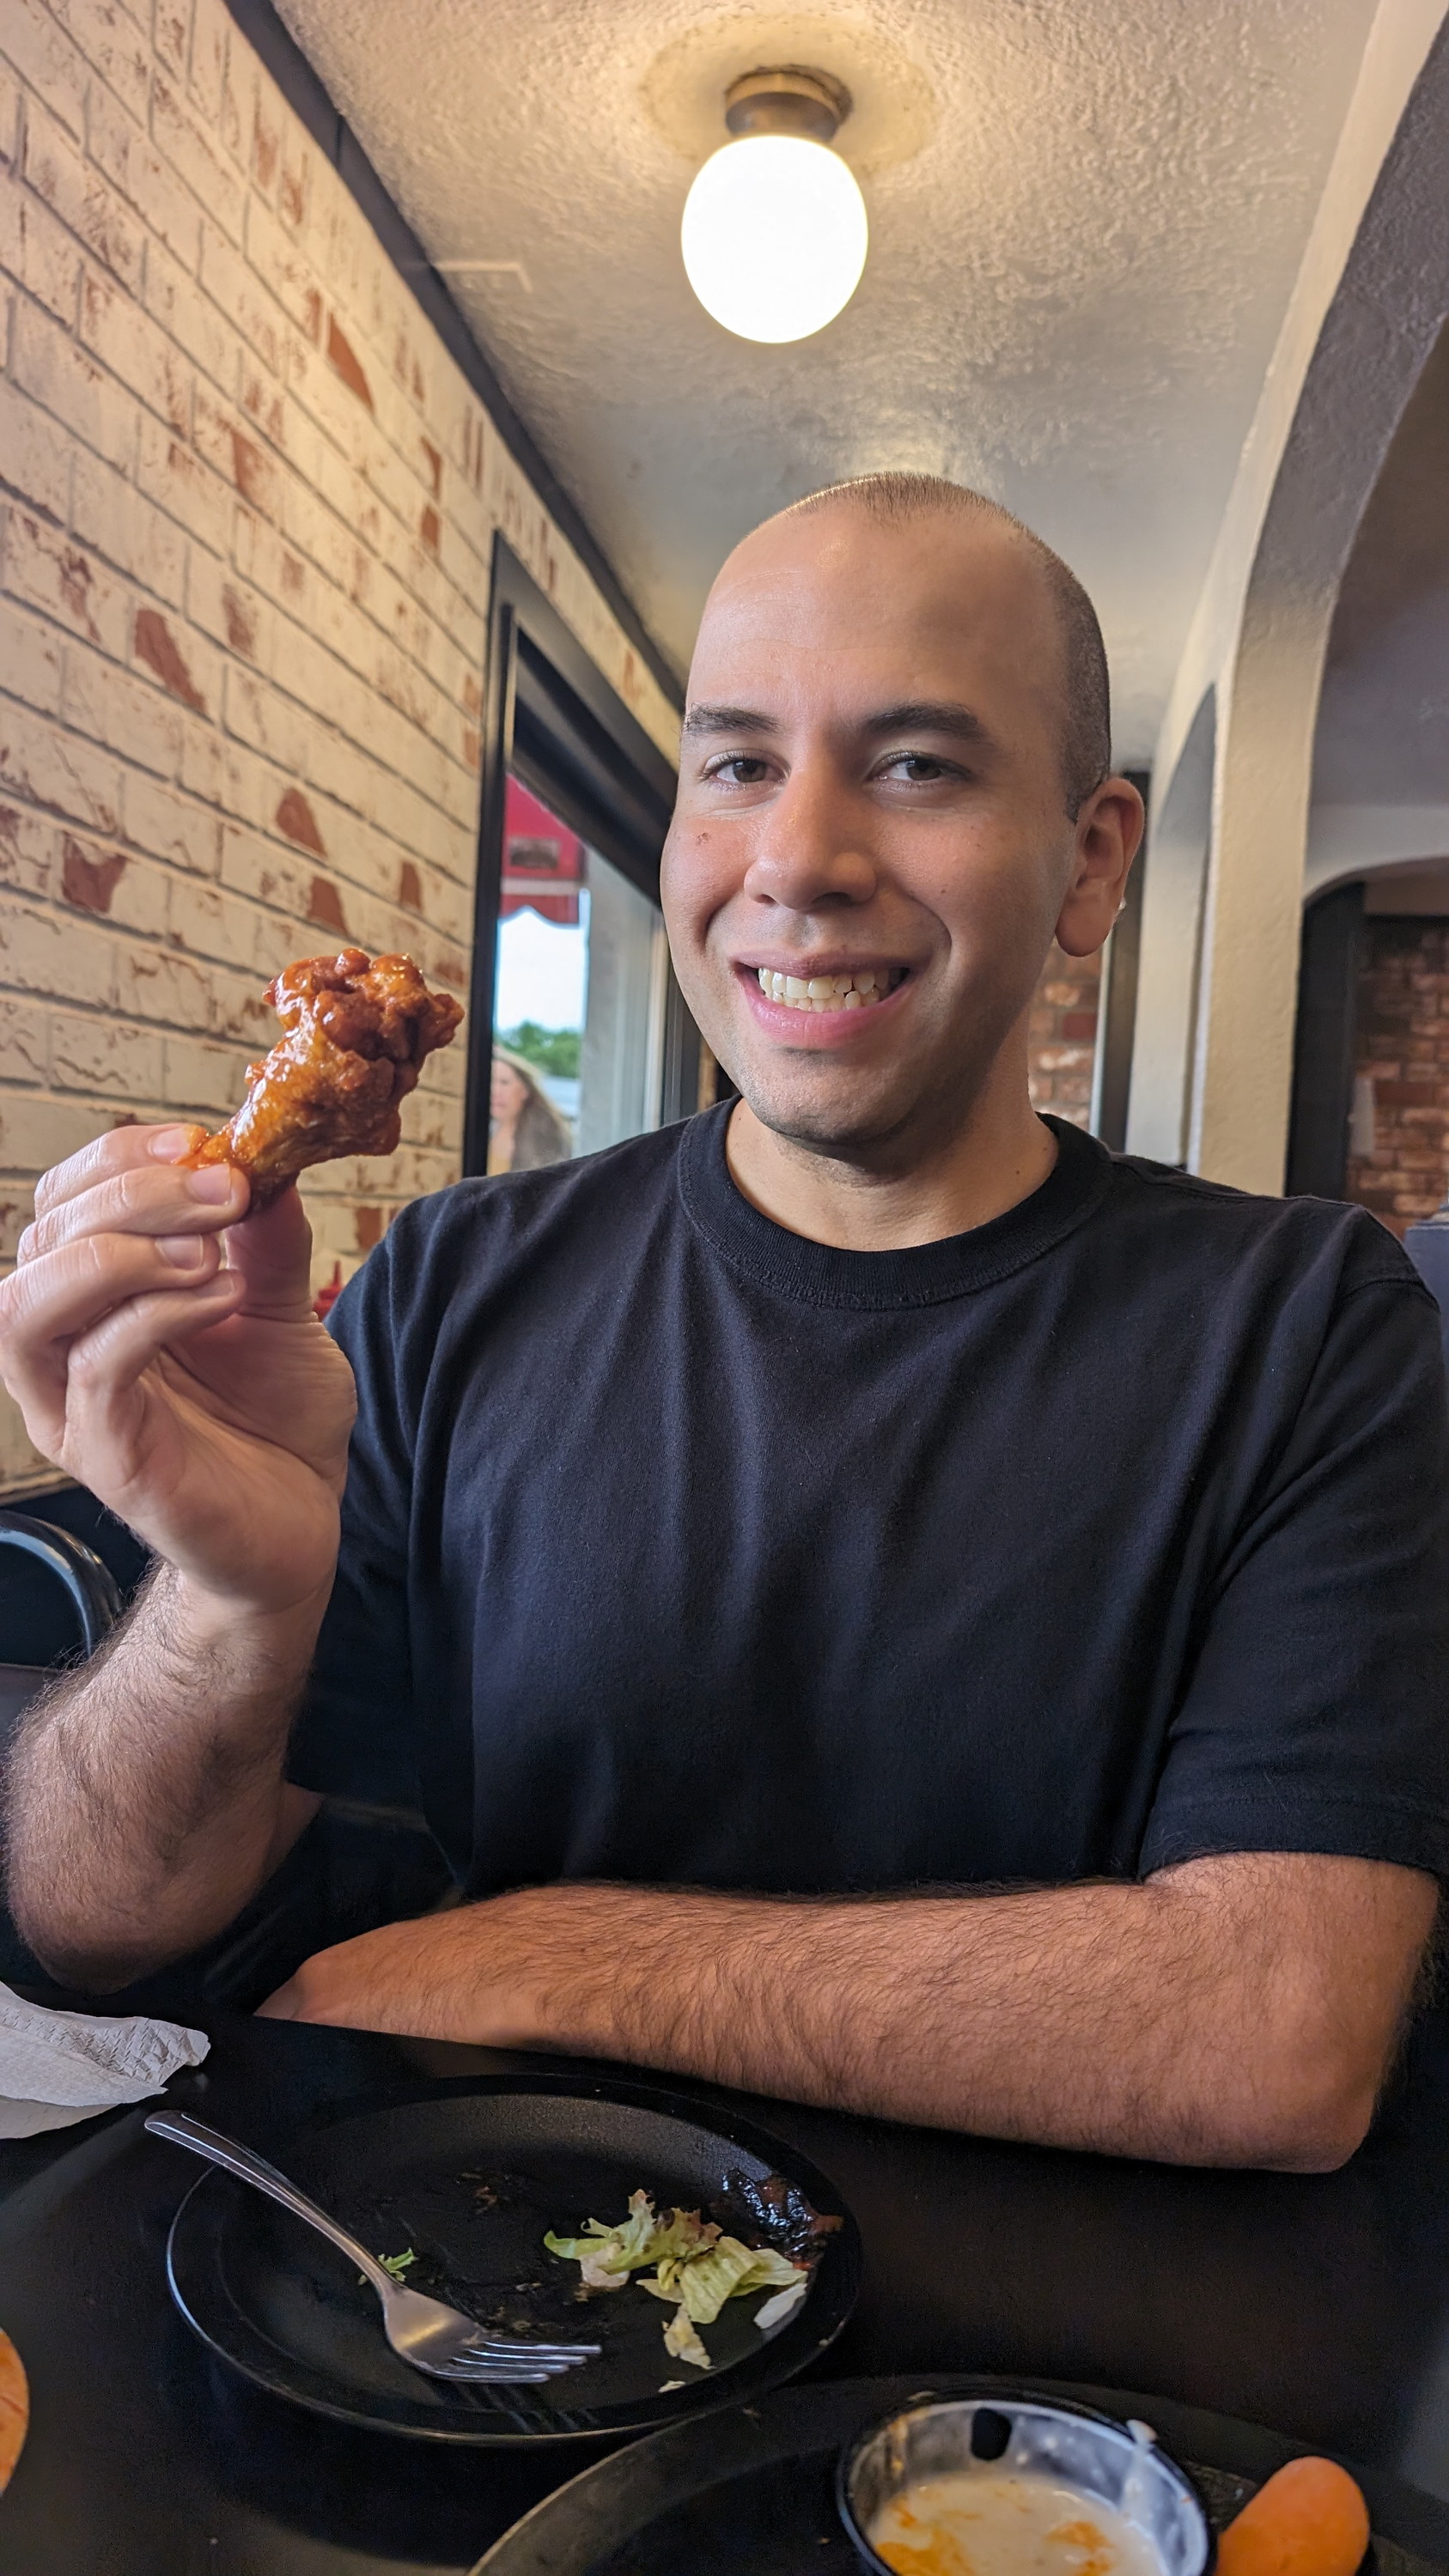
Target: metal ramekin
[1015,2432]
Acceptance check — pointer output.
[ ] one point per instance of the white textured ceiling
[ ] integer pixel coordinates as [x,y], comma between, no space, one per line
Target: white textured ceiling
[1086,217]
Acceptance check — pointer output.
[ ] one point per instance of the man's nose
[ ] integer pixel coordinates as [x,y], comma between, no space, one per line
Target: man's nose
[809,849]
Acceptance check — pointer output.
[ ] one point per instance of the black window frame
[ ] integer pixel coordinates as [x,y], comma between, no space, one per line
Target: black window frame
[551,717]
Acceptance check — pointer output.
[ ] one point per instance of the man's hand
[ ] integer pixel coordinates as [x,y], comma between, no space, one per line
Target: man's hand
[469,1973]
[203,1402]
[1241,2010]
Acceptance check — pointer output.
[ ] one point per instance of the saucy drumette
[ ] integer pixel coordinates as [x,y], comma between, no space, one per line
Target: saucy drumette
[357,1032]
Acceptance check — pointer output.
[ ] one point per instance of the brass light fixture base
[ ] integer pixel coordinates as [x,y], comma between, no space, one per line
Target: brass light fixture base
[786,98]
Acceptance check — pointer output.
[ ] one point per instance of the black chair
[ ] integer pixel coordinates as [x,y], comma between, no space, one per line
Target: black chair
[92,1589]
[361,1862]
[92,1595]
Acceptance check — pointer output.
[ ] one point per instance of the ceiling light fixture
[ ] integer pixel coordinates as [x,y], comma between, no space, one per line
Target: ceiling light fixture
[775,232]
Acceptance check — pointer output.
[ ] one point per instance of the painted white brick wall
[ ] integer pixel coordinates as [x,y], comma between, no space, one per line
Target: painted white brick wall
[247,502]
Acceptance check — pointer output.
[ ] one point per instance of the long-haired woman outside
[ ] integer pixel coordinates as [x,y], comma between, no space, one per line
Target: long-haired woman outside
[525,1130]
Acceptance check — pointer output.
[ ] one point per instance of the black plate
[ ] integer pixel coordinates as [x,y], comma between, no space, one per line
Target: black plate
[470,2177]
[753,2494]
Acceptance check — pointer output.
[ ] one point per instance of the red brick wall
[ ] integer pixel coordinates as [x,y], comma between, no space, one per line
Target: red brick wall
[1402,1044]
[1064,1036]
[247,503]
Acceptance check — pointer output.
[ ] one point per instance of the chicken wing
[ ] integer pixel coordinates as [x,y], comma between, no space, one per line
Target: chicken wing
[357,1031]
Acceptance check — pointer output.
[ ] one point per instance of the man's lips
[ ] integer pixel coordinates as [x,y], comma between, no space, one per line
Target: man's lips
[822,1019]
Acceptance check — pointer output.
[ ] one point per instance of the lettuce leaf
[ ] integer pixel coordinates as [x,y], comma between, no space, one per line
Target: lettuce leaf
[607,2255]
[686,2235]
[777,2309]
[681,2340]
[723,2271]
[696,2269]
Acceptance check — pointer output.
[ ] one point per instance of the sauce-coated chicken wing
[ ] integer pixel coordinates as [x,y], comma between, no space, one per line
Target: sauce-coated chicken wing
[357,1031]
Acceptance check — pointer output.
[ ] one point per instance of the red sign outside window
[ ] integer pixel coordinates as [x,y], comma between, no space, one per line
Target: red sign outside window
[543,862]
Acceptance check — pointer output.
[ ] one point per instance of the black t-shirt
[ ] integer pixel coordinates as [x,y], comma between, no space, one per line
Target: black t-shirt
[679,1549]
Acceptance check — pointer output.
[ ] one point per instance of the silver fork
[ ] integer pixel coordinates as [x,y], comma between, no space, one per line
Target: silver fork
[432,2337]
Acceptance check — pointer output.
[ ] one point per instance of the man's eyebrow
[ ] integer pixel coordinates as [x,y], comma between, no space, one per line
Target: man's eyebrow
[707,720]
[928,715]
[915,715]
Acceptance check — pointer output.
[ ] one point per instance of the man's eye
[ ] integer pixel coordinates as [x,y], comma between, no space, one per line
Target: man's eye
[740,769]
[918,768]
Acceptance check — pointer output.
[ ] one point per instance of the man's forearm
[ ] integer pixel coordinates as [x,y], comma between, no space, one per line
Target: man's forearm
[144,1798]
[1230,2012]
[1124,2018]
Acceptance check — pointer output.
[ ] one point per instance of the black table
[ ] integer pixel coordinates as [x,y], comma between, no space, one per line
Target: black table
[1319,2306]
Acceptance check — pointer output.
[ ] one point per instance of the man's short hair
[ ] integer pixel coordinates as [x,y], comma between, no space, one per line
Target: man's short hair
[1087,729]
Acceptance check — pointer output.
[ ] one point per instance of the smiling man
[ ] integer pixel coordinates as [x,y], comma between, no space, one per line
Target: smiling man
[887,1603]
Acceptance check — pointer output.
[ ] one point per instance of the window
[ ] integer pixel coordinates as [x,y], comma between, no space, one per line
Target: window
[580,996]
[588,1039]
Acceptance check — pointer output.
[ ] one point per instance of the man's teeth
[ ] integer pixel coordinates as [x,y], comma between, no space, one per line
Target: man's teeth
[830,992]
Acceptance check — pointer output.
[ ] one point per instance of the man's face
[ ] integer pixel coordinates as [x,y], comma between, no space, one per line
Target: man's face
[870,789]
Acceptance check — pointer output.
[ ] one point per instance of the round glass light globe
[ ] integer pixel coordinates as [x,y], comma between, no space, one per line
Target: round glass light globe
[774,236]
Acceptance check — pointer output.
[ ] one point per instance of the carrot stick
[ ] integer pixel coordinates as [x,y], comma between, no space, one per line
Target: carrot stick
[1307,2520]
[14,2407]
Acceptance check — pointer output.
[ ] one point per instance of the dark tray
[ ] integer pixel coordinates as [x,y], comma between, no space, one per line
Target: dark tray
[753,2490]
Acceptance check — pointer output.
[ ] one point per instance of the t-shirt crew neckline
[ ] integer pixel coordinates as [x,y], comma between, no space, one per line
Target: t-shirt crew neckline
[923,1274]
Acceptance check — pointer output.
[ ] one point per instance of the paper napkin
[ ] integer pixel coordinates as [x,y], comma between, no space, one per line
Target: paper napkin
[59,2067]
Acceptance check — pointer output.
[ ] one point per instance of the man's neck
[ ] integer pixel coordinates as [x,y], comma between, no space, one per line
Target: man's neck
[865,1204]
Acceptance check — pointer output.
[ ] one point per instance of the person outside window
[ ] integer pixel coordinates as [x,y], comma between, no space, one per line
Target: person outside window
[525,1131]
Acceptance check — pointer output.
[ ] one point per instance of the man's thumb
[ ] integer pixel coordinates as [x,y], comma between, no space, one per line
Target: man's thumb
[273,1252]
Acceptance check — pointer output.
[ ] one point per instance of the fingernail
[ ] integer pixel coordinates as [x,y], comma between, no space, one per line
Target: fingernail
[213,1184]
[185,1251]
[169,1143]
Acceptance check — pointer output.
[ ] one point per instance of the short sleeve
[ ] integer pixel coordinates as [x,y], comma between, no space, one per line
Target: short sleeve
[353,1734]
[1317,1715]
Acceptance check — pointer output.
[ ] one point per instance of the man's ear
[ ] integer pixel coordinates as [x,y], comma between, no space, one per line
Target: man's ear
[1109,832]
